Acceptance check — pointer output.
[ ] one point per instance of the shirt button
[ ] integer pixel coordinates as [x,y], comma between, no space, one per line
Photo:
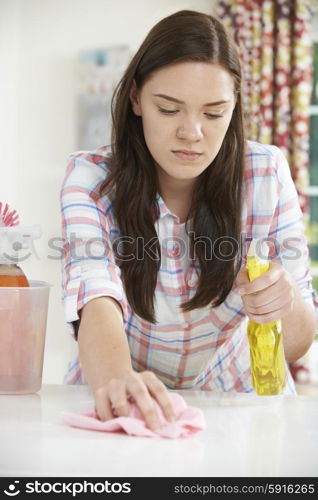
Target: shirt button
[173,249]
[186,324]
[192,282]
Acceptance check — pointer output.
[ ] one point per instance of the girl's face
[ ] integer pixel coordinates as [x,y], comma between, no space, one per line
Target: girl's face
[185,107]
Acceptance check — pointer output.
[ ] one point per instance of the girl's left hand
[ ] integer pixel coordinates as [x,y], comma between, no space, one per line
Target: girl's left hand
[269,297]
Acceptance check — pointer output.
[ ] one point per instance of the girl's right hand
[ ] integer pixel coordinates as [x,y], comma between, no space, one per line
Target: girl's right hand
[111,399]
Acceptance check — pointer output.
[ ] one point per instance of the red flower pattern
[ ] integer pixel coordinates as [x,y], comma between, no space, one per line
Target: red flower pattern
[275,45]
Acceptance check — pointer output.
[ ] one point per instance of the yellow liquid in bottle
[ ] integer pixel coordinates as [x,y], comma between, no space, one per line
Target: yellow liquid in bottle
[266,346]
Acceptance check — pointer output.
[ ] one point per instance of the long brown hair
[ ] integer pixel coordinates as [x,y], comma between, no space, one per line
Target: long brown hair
[217,197]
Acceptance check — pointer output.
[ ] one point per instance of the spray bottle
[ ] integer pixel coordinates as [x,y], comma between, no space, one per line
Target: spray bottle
[268,367]
[12,240]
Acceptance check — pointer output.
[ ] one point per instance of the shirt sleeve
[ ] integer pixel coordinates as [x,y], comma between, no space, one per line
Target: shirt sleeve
[89,268]
[287,241]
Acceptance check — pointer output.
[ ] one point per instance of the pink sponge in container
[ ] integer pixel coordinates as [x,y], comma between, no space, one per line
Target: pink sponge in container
[189,421]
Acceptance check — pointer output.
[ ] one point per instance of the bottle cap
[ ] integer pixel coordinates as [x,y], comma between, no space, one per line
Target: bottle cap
[259,248]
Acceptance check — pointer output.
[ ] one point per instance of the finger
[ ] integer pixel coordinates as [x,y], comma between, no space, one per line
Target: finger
[139,392]
[270,299]
[266,280]
[118,398]
[271,317]
[159,392]
[242,278]
[102,406]
[280,303]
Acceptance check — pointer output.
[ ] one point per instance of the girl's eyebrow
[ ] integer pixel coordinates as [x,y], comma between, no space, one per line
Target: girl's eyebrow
[173,99]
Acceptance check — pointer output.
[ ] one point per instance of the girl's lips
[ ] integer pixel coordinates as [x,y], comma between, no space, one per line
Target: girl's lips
[186,156]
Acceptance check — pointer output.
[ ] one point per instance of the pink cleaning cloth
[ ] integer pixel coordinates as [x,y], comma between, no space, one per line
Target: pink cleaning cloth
[189,421]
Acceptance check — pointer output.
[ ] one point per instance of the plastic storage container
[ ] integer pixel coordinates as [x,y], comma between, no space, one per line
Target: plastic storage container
[23,320]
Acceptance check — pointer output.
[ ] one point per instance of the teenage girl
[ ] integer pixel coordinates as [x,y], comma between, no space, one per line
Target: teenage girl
[156,228]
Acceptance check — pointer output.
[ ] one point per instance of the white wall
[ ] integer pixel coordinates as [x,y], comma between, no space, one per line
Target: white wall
[39,45]
[9,62]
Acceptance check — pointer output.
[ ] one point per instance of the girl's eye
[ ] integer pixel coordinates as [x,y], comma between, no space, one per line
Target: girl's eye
[172,112]
[213,117]
[166,111]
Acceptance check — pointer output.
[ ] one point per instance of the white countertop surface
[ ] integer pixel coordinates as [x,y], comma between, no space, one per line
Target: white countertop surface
[245,436]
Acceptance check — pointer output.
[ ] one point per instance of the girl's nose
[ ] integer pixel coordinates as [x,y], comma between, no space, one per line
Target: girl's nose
[190,131]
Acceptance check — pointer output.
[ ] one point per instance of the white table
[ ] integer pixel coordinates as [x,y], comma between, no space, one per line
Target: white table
[246,436]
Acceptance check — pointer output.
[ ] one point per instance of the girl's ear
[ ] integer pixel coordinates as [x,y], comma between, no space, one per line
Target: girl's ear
[134,99]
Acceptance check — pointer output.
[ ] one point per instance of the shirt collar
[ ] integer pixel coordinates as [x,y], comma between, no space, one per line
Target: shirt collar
[164,210]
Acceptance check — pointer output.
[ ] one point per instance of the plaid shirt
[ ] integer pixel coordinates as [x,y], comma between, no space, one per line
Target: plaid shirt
[206,348]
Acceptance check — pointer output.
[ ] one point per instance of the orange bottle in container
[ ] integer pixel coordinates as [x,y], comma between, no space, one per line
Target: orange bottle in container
[16,336]
[10,273]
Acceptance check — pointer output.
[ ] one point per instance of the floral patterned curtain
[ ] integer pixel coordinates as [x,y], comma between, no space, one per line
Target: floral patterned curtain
[275,44]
